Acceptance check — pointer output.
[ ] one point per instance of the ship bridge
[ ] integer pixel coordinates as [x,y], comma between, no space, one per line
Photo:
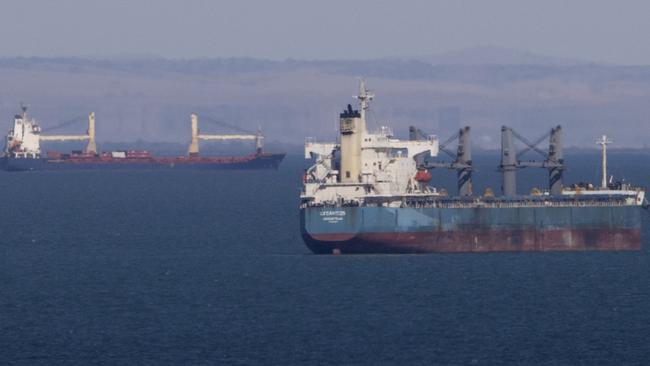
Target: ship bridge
[23,141]
[364,163]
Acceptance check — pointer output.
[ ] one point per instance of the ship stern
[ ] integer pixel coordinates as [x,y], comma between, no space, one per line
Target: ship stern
[330,230]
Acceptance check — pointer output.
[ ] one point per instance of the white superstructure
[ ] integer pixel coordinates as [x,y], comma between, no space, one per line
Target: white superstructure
[24,139]
[364,164]
[375,168]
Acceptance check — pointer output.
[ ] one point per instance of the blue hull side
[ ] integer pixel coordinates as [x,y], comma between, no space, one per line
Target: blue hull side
[478,229]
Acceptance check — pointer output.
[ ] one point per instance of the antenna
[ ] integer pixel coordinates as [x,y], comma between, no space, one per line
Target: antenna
[603,142]
[23,107]
[364,97]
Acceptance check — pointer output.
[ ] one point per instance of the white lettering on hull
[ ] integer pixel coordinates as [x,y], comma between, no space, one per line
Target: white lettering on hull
[332,216]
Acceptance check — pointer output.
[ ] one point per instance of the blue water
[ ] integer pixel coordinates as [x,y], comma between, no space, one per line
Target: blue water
[207,268]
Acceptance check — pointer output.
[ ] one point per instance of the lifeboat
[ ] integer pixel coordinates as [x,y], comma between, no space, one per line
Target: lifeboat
[423,176]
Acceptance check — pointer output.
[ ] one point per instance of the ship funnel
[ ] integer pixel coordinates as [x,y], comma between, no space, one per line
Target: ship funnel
[352,128]
[91,148]
[416,134]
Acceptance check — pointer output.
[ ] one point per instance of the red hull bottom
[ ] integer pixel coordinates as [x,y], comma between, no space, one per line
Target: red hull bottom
[477,241]
[104,161]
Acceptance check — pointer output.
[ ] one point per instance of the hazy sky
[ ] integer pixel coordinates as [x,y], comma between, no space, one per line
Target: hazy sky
[595,30]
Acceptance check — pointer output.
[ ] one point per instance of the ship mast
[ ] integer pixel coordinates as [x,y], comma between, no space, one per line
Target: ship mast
[23,107]
[364,97]
[603,143]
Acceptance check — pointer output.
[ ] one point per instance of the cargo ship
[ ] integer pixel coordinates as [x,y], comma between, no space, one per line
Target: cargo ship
[372,193]
[23,151]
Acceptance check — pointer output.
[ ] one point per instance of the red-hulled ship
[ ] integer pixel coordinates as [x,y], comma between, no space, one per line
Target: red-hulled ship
[22,152]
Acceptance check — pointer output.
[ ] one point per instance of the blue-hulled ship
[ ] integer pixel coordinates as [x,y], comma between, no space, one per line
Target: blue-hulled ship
[372,193]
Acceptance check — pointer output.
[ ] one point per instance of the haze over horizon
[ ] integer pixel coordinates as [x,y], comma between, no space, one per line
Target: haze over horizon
[291,66]
[590,31]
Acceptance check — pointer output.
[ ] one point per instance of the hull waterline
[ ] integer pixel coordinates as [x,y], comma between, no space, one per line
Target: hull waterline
[356,230]
[258,161]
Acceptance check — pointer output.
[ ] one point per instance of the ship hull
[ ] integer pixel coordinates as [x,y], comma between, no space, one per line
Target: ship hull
[258,161]
[327,230]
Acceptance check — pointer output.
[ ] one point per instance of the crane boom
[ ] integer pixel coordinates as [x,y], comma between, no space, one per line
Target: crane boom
[64,137]
[193,149]
[227,137]
[91,147]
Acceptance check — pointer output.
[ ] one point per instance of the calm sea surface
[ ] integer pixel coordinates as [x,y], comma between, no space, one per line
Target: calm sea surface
[208,268]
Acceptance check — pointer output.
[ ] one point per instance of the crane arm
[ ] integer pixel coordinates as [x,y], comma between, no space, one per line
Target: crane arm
[230,126]
[228,137]
[64,137]
[64,124]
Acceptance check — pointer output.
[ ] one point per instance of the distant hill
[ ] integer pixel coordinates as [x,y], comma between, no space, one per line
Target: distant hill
[150,99]
[489,55]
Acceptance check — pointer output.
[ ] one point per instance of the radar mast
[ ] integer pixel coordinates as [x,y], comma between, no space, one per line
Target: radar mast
[603,142]
[364,97]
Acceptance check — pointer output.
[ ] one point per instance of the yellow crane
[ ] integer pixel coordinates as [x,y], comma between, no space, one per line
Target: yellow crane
[193,150]
[91,147]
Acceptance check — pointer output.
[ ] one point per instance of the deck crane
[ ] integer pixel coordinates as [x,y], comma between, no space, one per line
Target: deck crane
[511,159]
[91,147]
[245,135]
[462,162]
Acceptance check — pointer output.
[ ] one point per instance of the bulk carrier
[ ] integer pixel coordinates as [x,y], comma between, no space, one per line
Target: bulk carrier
[370,193]
[23,151]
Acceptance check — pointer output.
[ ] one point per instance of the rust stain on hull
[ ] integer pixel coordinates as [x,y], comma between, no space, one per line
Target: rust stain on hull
[477,241]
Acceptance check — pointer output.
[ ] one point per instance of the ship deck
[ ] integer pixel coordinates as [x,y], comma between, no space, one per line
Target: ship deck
[437,201]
